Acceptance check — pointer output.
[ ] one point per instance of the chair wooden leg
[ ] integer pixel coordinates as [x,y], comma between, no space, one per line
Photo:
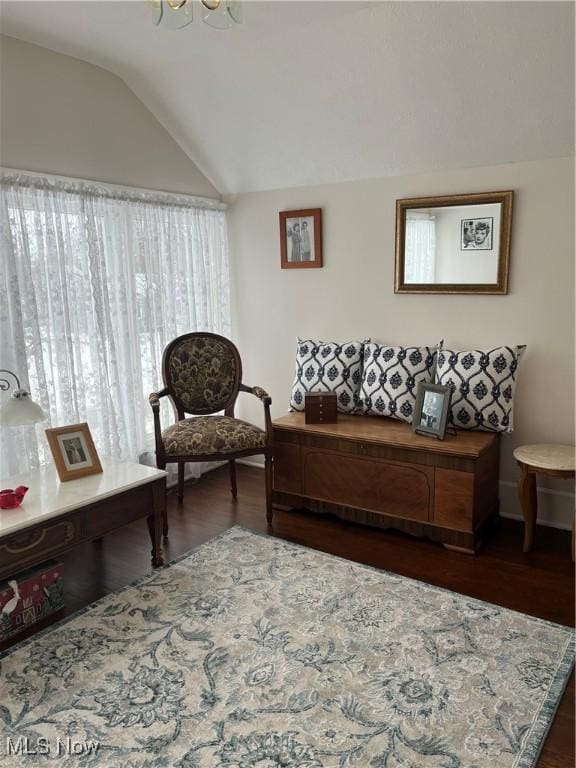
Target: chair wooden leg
[233,487]
[268,472]
[181,466]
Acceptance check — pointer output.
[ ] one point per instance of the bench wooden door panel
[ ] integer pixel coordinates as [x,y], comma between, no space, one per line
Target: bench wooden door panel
[401,490]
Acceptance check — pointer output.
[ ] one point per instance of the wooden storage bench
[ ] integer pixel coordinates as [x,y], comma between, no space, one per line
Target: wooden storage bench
[376,471]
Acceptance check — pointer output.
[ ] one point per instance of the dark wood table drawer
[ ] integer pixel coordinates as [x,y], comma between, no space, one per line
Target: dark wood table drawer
[36,544]
[117,511]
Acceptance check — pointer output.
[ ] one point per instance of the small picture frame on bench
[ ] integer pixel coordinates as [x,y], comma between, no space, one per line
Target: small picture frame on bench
[432,409]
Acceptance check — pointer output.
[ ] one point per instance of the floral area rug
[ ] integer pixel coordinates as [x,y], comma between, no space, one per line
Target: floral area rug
[253,652]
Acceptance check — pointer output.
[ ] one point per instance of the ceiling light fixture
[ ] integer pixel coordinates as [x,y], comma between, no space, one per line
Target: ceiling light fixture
[177,14]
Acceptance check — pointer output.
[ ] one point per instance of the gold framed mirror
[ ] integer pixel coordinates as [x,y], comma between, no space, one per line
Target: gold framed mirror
[454,243]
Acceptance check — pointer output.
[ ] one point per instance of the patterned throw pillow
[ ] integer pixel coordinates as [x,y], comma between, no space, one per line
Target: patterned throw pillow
[483,384]
[391,377]
[328,367]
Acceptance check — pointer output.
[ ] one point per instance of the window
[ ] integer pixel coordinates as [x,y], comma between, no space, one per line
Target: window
[420,259]
[96,280]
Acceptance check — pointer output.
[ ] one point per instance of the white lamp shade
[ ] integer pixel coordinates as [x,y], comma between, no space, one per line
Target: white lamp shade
[20,409]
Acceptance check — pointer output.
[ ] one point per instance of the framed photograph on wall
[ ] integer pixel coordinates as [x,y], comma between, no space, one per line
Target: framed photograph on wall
[432,409]
[476,234]
[74,451]
[301,239]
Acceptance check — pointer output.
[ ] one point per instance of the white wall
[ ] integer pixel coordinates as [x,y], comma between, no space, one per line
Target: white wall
[453,265]
[352,297]
[64,116]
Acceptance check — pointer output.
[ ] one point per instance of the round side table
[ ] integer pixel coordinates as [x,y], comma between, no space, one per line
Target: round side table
[542,459]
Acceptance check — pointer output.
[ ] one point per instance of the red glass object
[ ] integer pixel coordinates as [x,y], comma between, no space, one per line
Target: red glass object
[10,499]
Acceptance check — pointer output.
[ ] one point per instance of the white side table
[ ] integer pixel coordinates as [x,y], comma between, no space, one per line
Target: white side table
[55,516]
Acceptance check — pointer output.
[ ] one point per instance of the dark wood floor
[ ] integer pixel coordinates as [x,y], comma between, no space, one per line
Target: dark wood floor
[540,584]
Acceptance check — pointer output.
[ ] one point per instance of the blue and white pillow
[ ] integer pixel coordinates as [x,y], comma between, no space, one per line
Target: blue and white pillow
[483,382]
[328,367]
[390,379]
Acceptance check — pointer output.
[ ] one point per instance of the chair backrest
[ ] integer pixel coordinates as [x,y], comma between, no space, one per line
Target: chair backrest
[202,372]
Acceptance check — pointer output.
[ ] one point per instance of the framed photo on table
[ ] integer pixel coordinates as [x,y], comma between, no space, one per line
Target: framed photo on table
[431,410]
[73,451]
[301,239]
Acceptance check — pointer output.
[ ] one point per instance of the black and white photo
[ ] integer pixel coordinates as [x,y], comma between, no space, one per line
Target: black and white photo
[300,235]
[73,450]
[301,238]
[431,410]
[477,234]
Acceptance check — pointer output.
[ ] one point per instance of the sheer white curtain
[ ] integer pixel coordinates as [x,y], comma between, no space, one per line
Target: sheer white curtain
[95,281]
[420,258]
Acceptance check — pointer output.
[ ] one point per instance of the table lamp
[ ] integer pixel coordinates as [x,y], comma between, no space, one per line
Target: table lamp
[20,408]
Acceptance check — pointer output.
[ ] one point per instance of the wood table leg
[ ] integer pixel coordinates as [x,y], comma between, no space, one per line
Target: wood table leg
[157,520]
[155,529]
[529,502]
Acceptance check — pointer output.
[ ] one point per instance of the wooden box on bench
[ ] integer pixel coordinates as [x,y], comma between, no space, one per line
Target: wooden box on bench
[320,407]
[376,471]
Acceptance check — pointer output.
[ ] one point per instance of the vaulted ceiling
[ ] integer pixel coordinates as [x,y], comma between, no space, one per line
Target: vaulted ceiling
[311,92]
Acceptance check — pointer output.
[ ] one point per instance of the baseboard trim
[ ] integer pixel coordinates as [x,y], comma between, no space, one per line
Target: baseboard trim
[550,491]
[251,463]
[555,508]
[560,524]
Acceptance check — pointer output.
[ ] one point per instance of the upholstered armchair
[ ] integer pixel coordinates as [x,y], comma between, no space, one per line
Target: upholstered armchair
[202,375]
